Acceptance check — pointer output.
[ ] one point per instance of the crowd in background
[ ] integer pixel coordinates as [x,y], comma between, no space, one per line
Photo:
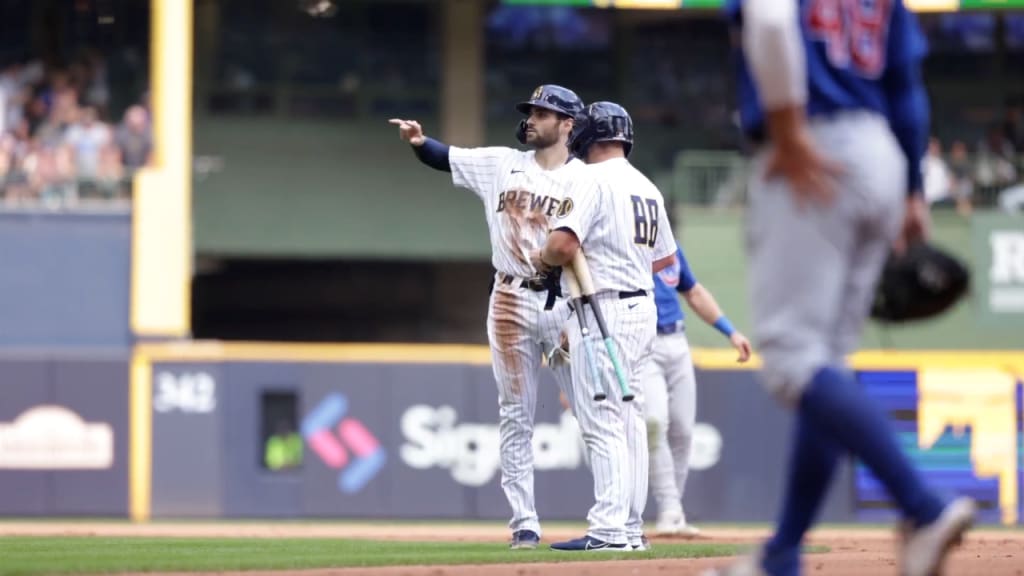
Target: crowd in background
[60,141]
[993,174]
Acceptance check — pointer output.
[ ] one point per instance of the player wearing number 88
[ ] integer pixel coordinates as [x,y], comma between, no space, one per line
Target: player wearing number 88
[617,217]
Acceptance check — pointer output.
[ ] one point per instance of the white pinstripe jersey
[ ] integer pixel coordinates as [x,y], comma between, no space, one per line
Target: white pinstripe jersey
[619,217]
[520,198]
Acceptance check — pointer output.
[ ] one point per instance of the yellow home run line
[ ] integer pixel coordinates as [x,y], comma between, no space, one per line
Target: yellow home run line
[301,352]
[480,355]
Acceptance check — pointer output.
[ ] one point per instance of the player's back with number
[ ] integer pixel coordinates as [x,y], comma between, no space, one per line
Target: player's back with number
[860,54]
[629,228]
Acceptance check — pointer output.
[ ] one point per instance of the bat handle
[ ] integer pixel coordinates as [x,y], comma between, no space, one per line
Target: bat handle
[574,285]
[582,272]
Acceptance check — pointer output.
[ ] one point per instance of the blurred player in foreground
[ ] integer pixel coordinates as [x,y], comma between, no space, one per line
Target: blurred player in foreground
[831,89]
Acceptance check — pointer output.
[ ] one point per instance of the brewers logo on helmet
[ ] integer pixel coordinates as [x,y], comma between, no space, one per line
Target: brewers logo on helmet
[550,97]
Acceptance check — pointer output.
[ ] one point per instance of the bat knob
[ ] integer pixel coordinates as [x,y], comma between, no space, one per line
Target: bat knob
[628,398]
[600,397]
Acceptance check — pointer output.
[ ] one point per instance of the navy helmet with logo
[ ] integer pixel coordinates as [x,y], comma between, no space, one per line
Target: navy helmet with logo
[550,97]
[601,122]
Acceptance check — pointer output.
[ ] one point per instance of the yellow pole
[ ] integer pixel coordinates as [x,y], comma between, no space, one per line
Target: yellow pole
[161,276]
[140,410]
[162,207]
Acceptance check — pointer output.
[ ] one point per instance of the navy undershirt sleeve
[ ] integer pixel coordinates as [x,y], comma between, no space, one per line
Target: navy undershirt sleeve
[433,154]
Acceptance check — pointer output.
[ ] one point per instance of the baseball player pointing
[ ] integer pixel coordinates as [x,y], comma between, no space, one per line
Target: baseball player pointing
[521,191]
[832,92]
[617,216]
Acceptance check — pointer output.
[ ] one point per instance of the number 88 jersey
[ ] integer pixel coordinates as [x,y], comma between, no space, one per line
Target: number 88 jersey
[619,217]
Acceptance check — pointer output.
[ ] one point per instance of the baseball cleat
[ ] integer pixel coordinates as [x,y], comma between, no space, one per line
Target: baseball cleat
[668,523]
[524,540]
[688,530]
[925,548]
[642,546]
[589,544]
[674,524]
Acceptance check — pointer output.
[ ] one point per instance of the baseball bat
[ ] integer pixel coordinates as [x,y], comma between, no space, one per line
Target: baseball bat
[582,271]
[576,296]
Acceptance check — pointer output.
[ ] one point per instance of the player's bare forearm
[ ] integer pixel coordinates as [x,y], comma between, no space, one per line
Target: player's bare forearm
[560,248]
[701,301]
[786,125]
[659,265]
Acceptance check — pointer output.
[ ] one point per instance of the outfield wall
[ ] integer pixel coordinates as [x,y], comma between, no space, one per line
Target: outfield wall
[64,434]
[421,441]
[411,432]
[66,279]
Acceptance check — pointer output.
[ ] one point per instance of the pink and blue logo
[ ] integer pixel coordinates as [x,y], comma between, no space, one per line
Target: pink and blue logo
[332,437]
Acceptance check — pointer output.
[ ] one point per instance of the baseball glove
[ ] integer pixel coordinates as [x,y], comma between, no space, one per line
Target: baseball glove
[923,282]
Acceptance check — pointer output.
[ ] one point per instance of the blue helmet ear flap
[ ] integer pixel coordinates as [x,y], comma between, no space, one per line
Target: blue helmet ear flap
[521,132]
[582,135]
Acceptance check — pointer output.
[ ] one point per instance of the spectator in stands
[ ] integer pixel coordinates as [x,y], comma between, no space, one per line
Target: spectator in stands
[994,165]
[110,178]
[52,139]
[87,138]
[961,184]
[52,175]
[937,185]
[10,90]
[134,139]
[62,114]
[17,148]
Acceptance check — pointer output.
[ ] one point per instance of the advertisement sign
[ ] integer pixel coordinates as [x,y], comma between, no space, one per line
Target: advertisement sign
[423,441]
[961,427]
[417,439]
[998,242]
[52,437]
[343,443]
[64,437]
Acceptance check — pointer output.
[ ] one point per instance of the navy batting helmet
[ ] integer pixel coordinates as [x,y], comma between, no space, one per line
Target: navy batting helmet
[602,122]
[550,97]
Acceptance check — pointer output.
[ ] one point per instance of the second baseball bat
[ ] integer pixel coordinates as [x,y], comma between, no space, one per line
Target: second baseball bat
[588,346]
[586,282]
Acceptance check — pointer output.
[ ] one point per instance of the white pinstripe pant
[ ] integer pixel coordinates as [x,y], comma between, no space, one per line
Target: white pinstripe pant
[614,432]
[520,332]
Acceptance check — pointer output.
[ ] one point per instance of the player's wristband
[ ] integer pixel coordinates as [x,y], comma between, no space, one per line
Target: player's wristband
[724,326]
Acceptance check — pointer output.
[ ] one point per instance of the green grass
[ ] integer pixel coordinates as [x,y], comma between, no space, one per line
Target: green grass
[89,555]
